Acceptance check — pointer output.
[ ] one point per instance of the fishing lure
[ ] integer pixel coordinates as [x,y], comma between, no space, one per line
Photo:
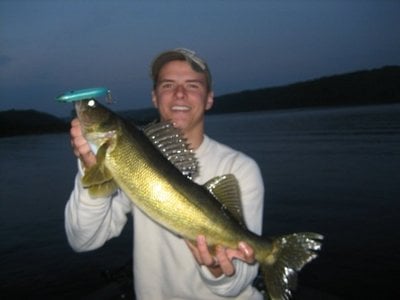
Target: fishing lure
[85,94]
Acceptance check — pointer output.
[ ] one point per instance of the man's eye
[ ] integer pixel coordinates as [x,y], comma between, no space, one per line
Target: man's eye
[193,86]
[167,85]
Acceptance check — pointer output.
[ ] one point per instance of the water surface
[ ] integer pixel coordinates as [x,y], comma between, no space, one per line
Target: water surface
[333,171]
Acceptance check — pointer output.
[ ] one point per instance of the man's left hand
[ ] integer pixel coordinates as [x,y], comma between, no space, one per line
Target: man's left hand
[221,261]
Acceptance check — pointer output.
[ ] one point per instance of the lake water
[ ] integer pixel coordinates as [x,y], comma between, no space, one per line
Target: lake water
[334,171]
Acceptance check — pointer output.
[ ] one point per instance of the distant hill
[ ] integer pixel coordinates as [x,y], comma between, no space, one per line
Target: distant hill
[19,122]
[377,86]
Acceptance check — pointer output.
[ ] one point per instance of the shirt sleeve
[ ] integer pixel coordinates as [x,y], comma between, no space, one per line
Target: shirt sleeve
[252,190]
[90,222]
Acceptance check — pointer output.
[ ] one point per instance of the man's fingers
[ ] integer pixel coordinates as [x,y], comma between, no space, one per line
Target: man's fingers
[75,122]
[221,260]
[224,262]
[249,255]
[80,145]
[205,255]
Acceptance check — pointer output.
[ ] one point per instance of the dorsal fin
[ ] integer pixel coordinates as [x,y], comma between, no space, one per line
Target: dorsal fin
[226,190]
[173,146]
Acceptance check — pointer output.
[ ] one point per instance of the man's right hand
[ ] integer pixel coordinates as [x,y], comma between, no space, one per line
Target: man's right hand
[80,145]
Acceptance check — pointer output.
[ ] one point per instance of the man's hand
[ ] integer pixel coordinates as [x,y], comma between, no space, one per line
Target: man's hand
[221,262]
[80,146]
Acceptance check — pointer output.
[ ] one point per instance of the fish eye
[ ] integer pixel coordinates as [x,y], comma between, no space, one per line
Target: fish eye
[91,103]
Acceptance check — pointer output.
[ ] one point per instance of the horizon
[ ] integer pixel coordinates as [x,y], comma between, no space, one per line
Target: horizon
[150,106]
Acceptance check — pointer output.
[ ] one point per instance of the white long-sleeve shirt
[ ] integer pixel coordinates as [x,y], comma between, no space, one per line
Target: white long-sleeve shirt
[164,267]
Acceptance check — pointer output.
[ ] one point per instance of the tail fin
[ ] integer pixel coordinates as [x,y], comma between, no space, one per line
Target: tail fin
[289,255]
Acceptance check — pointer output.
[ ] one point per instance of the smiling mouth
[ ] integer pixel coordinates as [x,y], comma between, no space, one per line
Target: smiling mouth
[180,108]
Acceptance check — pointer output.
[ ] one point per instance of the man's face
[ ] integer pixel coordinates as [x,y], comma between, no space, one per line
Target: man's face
[181,96]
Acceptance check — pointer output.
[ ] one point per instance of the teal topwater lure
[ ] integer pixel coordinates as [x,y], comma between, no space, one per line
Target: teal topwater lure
[85,94]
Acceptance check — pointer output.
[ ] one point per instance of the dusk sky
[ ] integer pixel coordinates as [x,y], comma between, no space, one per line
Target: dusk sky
[48,47]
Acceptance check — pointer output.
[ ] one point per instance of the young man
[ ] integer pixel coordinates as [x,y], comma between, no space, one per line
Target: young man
[165,265]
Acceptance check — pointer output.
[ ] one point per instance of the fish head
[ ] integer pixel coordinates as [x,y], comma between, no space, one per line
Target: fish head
[98,123]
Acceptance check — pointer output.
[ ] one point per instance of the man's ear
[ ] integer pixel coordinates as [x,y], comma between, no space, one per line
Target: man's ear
[210,100]
[154,99]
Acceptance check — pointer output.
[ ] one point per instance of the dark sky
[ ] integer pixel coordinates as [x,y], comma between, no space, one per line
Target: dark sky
[48,47]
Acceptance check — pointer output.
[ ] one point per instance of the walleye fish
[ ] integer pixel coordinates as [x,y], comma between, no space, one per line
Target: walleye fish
[154,168]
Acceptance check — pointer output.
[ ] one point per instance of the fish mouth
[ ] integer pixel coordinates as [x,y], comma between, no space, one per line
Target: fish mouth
[78,106]
[99,137]
[80,109]
[90,112]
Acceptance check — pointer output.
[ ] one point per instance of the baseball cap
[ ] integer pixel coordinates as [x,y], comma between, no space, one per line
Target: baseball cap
[198,64]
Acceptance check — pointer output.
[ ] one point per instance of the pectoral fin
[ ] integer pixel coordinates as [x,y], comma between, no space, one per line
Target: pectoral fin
[98,179]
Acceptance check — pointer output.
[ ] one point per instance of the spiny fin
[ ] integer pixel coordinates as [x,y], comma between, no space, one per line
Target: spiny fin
[98,179]
[289,255]
[173,146]
[226,190]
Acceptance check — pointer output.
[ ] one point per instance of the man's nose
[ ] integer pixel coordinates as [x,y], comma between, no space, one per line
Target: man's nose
[180,91]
